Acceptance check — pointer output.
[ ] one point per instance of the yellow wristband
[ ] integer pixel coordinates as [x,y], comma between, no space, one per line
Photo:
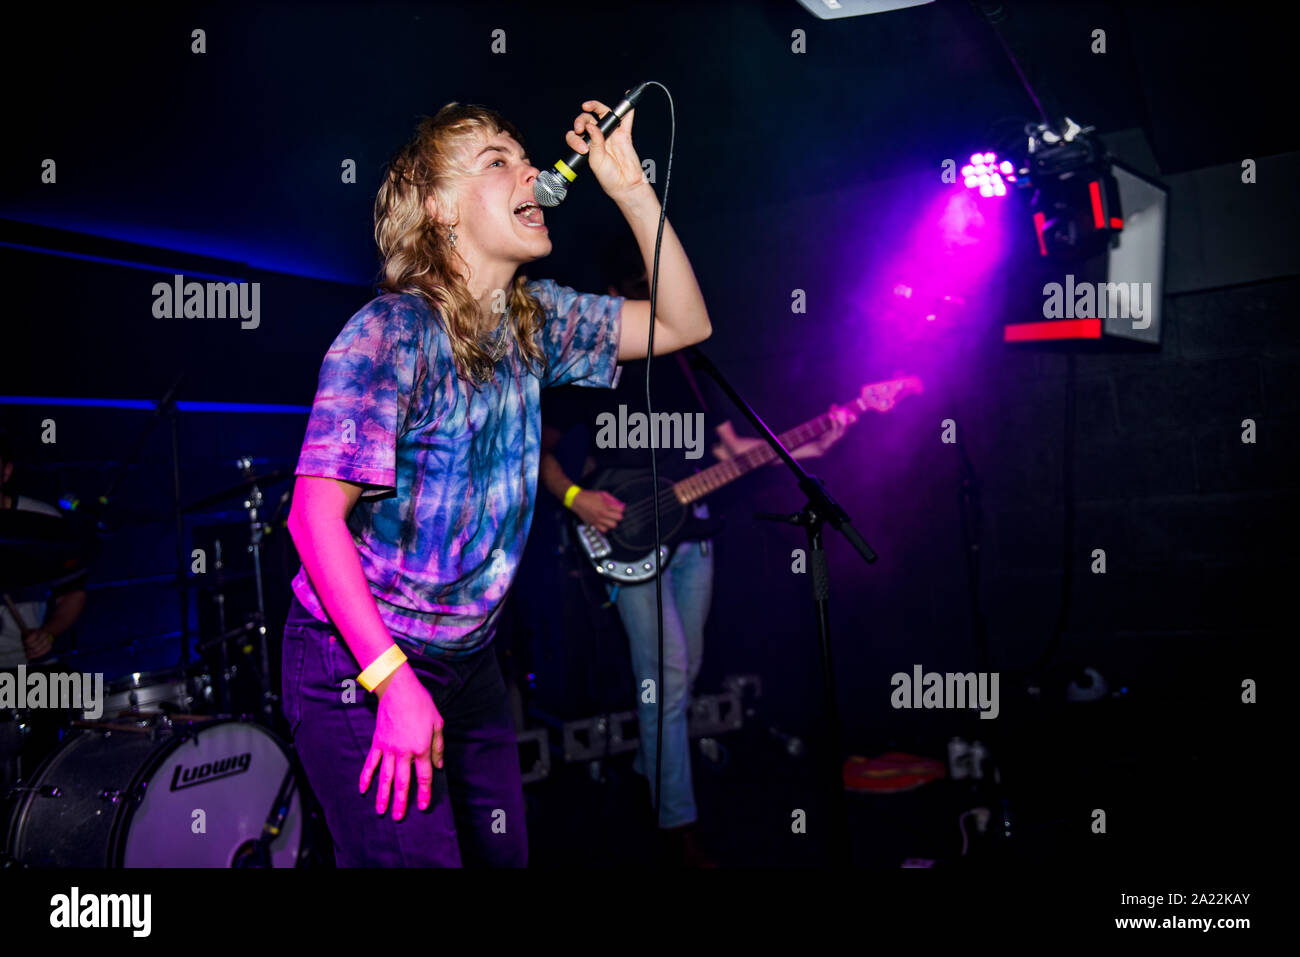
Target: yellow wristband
[381,668]
[570,495]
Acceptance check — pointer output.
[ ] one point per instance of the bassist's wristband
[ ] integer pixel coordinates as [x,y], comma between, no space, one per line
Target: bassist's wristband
[570,495]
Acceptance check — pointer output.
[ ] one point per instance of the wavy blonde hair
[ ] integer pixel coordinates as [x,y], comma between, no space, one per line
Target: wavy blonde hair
[417,256]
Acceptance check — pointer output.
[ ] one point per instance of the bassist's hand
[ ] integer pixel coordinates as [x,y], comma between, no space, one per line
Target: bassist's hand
[841,419]
[600,510]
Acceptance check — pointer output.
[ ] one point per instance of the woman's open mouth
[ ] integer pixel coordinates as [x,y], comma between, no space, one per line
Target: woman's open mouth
[530,214]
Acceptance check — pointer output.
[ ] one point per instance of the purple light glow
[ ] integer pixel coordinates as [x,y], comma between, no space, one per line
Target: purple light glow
[953,244]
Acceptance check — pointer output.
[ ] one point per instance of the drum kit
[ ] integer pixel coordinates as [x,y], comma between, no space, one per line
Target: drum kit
[171,768]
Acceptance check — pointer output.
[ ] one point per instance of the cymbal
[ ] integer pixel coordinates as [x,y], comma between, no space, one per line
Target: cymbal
[239,488]
[38,549]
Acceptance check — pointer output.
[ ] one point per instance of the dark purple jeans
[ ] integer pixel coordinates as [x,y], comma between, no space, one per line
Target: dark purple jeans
[477,814]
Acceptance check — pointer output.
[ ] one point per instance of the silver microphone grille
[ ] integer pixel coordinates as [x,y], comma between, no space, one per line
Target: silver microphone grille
[550,188]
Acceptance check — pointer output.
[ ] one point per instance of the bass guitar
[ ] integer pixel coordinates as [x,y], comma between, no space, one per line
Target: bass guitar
[626,553]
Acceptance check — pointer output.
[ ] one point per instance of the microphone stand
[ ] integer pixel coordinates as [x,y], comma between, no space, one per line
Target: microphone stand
[819,508]
[164,408]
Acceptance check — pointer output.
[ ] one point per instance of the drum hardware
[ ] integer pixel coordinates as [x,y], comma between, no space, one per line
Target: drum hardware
[258,853]
[26,736]
[224,686]
[250,486]
[232,698]
[257,530]
[19,718]
[39,550]
[226,670]
[248,483]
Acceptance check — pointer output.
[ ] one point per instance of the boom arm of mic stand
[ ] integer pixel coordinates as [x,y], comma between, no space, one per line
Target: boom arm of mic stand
[164,406]
[818,498]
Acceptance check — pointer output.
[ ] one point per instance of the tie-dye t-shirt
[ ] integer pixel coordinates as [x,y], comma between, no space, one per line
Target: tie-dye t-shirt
[451,473]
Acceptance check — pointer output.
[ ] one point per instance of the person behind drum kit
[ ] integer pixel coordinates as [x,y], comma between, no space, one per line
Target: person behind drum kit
[40,620]
[688,578]
[417,479]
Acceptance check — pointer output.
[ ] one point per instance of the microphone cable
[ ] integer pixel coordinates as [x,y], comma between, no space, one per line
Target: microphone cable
[654,465]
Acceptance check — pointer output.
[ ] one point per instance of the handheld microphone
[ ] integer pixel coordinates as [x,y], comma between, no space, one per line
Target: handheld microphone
[552,185]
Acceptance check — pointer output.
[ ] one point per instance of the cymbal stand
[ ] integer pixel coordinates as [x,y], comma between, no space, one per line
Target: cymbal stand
[220,599]
[257,529]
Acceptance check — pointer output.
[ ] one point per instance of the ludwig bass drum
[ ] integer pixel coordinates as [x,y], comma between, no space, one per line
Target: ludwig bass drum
[115,795]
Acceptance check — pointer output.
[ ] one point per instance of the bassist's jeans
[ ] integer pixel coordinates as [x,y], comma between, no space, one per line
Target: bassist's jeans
[688,590]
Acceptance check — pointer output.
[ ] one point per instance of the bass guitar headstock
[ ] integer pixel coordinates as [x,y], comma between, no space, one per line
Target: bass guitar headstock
[883,396]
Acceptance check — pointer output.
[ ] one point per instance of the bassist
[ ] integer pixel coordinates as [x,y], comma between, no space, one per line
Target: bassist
[688,577]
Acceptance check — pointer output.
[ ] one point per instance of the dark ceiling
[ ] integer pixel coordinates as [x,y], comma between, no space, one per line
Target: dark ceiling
[236,153]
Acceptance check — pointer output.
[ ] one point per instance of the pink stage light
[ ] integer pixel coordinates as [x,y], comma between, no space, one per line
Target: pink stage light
[986,174]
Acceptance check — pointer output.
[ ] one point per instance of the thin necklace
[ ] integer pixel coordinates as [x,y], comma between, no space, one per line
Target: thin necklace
[498,350]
